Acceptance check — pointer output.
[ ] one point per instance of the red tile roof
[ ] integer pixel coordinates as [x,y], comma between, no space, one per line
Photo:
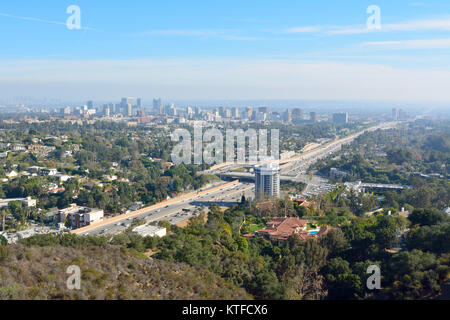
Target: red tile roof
[282,228]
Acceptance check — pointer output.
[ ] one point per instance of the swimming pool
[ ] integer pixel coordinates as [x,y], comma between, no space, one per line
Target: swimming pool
[312,233]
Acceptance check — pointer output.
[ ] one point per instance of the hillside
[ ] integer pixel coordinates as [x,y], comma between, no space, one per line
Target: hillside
[107,273]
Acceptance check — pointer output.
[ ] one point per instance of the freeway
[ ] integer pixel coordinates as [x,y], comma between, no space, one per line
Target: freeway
[308,157]
[225,195]
[295,169]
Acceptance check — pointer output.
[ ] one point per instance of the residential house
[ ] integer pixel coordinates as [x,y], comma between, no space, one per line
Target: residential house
[49,172]
[12,174]
[280,229]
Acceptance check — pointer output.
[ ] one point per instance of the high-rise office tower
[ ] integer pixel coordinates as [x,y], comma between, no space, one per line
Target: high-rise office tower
[263,109]
[235,112]
[267,181]
[249,112]
[190,112]
[90,104]
[260,116]
[66,110]
[394,114]
[157,106]
[139,103]
[129,110]
[130,100]
[223,111]
[170,110]
[297,115]
[341,117]
[313,117]
[287,116]
[402,115]
[123,102]
[107,111]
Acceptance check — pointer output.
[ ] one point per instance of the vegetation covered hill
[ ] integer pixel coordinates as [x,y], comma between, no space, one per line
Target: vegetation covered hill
[32,272]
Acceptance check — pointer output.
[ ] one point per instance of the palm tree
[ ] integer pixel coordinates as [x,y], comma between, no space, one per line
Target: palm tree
[4,213]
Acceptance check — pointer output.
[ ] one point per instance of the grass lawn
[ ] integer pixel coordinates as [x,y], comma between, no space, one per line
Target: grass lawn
[255,227]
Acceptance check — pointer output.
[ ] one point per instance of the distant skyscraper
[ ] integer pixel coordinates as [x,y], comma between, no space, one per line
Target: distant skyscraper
[107,111]
[190,112]
[157,106]
[263,109]
[402,115]
[66,111]
[223,111]
[275,116]
[297,115]
[249,112]
[90,104]
[260,116]
[313,117]
[267,181]
[394,114]
[130,100]
[129,110]
[287,116]
[139,103]
[235,112]
[170,110]
[341,118]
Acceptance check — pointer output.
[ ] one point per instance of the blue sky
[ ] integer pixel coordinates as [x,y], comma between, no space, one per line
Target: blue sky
[226,50]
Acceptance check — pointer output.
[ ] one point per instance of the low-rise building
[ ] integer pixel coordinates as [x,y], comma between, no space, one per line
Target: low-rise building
[79,217]
[49,172]
[150,231]
[27,202]
[12,174]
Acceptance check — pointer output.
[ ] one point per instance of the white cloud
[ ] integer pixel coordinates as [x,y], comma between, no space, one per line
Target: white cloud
[223,34]
[308,29]
[441,24]
[194,33]
[410,44]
